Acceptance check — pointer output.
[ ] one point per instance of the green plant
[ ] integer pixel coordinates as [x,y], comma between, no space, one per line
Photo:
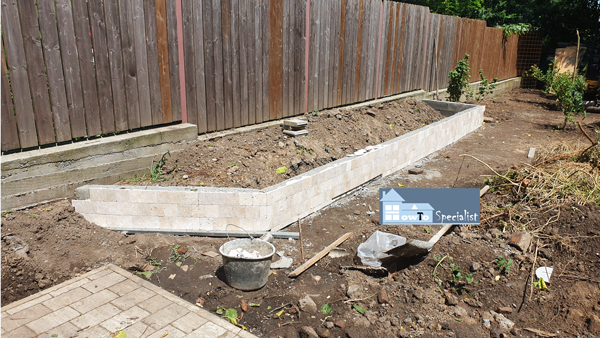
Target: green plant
[427,230]
[540,284]
[485,88]
[156,170]
[175,255]
[567,87]
[315,112]
[459,79]
[231,315]
[325,309]
[503,264]
[4,213]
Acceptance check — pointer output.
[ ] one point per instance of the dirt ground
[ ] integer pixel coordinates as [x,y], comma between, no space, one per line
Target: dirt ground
[61,244]
[251,160]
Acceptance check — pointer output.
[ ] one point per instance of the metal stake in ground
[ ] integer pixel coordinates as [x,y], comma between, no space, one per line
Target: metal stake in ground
[301,242]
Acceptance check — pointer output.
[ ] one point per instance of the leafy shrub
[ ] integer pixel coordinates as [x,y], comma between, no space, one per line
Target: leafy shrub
[459,79]
[567,87]
[485,88]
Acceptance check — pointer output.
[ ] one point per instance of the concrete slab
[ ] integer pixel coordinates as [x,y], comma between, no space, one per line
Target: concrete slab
[121,301]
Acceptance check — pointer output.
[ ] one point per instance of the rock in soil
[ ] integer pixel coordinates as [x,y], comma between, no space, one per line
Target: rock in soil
[340,323]
[383,297]
[306,304]
[594,324]
[415,171]
[520,240]
[323,332]
[504,322]
[451,299]
[354,291]
[308,332]
[505,309]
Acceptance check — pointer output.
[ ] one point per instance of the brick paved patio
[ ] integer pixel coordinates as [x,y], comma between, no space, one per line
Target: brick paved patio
[106,300]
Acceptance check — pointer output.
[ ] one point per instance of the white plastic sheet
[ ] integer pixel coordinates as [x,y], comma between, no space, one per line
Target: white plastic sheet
[372,250]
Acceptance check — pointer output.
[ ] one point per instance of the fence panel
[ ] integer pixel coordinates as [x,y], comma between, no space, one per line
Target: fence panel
[82,68]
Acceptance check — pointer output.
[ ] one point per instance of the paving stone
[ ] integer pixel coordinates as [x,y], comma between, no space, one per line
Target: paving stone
[96,316]
[189,322]
[125,318]
[136,296]
[62,289]
[155,304]
[170,330]
[93,301]
[103,282]
[99,274]
[62,331]
[139,329]
[67,298]
[53,320]
[21,318]
[21,332]
[95,331]
[208,330]
[28,304]
[124,287]
[165,316]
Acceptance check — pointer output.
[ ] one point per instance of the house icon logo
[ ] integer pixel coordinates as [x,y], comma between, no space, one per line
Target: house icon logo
[394,210]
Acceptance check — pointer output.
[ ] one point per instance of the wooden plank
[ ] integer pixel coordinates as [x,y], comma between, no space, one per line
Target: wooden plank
[266,42]
[199,59]
[359,53]
[299,50]
[153,65]
[374,18]
[227,64]
[334,53]
[101,63]
[129,66]
[174,61]
[319,255]
[389,49]
[189,12]
[313,66]
[244,88]
[258,62]
[36,71]
[86,66]
[350,51]
[141,63]
[209,66]
[400,23]
[276,58]
[115,58]
[164,72]
[10,134]
[68,50]
[218,61]
[342,41]
[54,69]
[235,63]
[250,43]
[406,46]
[287,56]
[324,59]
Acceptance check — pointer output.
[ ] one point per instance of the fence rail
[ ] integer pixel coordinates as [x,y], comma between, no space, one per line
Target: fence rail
[73,69]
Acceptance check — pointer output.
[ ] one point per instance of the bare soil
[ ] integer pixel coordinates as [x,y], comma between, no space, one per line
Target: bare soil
[61,244]
[250,160]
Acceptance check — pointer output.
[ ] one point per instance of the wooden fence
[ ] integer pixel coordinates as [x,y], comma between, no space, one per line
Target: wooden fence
[77,68]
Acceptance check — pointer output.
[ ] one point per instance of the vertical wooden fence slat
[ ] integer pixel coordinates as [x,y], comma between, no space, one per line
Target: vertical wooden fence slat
[389,56]
[373,49]
[350,51]
[188,12]
[244,88]
[334,63]
[298,50]
[341,38]
[287,27]
[266,50]
[408,48]
[113,35]
[36,71]
[173,43]
[276,58]
[227,76]
[209,65]
[325,58]
[200,72]
[313,67]
[218,62]
[54,68]
[400,43]
[164,72]
[250,45]
[235,62]
[258,62]
[382,49]
[359,51]
[129,64]
[10,135]
[66,31]
[141,62]
[86,67]
[105,98]
[153,65]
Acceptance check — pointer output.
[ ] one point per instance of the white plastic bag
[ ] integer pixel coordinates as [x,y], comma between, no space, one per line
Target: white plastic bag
[372,250]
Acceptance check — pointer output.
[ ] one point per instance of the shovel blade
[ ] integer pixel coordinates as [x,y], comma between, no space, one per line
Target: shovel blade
[412,248]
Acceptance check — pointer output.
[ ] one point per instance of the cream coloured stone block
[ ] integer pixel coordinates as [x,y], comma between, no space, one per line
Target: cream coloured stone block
[246,198]
[212,211]
[246,224]
[101,194]
[226,211]
[212,198]
[220,224]
[251,212]
[206,224]
[98,219]
[144,209]
[178,197]
[179,223]
[260,199]
[142,196]
[232,198]
[170,210]
[118,222]
[145,222]
[84,206]
[264,212]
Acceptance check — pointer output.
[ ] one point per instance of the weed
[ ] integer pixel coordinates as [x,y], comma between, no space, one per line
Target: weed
[231,164]
[459,79]
[315,112]
[175,255]
[503,264]
[540,284]
[427,230]
[33,215]
[231,316]
[4,213]
[485,88]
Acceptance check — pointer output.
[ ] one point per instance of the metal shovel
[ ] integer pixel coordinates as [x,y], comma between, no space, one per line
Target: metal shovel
[415,247]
